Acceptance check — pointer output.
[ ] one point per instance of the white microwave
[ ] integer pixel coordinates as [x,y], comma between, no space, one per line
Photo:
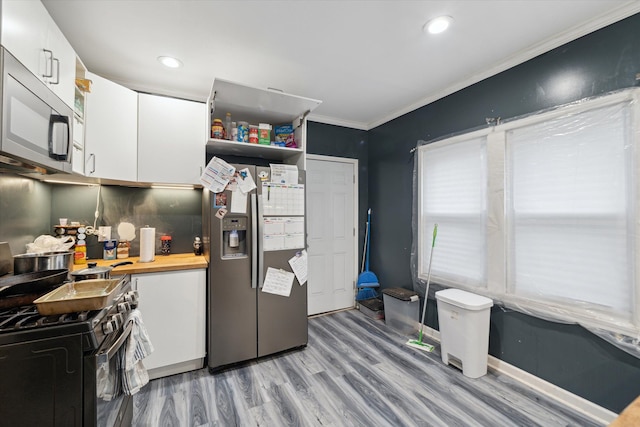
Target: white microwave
[36,125]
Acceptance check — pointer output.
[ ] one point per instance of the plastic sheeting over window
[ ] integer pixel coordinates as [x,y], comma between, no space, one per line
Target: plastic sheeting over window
[569,190]
[452,193]
[558,235]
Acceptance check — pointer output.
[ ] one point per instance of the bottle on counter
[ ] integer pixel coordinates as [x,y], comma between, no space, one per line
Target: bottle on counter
[80,254]
[123,250]
[165,246]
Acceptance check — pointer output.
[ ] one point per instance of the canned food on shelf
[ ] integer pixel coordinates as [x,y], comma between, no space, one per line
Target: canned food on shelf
[253,134]
[243,132]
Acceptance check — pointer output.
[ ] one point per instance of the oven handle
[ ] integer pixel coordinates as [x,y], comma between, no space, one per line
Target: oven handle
[105,356]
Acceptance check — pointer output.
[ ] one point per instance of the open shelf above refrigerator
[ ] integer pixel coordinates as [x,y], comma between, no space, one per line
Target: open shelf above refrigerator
[255,106]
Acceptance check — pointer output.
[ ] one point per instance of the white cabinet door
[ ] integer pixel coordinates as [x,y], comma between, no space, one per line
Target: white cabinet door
[24,33]
[64,65]
[174,312]
[32,36]
[171,140]
[111,131]
[77,160]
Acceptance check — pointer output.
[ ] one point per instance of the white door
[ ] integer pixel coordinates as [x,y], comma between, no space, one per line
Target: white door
[331,233]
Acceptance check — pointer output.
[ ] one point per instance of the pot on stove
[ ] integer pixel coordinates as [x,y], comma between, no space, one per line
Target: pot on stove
[30,263]
[95,272]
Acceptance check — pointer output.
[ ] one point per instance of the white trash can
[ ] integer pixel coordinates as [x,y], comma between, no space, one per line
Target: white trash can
[464,330]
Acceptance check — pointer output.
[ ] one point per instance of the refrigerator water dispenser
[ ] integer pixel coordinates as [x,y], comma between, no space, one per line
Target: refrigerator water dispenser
[234,237]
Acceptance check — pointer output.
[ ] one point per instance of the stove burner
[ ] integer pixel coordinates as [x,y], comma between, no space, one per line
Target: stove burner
[27,317]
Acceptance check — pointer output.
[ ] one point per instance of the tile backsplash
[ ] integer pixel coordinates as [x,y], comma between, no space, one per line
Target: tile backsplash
[25,211]
[177,213]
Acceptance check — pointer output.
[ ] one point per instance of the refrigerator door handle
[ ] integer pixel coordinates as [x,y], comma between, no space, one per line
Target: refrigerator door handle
[261,251]
[254,242]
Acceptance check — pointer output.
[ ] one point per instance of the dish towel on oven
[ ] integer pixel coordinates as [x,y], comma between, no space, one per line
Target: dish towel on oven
[138,346]
[108,378]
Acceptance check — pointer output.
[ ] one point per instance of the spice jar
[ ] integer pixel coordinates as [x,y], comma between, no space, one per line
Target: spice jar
[165,247]
[123,250]
[217,130]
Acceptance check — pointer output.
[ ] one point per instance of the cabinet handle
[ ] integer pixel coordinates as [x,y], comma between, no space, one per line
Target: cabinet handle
[57,72]
[49,65]
[93,158]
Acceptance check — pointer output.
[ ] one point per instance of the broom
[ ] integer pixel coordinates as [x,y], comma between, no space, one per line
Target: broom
[418,343]
[367,279]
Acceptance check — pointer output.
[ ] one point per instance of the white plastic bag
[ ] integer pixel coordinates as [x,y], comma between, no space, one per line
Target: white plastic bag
[46,243]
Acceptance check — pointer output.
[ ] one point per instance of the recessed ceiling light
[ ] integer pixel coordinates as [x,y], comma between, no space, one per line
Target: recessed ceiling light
[437,25]
[170,62]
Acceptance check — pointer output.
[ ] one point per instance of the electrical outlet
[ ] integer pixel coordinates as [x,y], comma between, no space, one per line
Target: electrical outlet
[104,233]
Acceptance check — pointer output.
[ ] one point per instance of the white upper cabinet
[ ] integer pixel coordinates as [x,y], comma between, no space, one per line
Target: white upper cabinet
[32,36]
[171,140]
[111,131]
[255,106]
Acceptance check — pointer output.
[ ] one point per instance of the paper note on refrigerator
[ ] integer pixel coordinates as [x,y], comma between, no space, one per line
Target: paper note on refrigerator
[284,174]
[216,175]
[278,282]
[299,266]
[282,199]
[282,233]
[238,202]
[245,181]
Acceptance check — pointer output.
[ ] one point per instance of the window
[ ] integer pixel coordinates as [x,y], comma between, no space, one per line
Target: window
[453,195]
[569,193]
[540,213]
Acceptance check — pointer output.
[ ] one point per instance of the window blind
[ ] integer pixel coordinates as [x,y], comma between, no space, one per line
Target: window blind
[453,195]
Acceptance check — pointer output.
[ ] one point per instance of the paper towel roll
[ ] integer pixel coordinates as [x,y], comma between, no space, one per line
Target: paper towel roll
[147,244]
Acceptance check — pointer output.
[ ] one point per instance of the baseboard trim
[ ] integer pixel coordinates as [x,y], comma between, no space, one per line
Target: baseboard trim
[178,368]
[580,404]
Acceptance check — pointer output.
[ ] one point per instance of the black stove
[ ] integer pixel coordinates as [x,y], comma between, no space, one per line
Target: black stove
[25,323]
[57,358]
[21,321]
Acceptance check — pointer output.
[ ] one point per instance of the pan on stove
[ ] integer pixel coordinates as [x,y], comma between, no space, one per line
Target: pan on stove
[22,289]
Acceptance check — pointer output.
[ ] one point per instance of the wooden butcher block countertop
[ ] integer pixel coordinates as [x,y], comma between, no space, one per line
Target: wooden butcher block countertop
[161,263]
[630,417]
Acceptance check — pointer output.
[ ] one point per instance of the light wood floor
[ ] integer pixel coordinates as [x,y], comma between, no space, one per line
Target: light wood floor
[355,371]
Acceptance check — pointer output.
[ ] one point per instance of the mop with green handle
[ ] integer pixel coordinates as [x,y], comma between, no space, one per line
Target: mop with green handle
[418,343]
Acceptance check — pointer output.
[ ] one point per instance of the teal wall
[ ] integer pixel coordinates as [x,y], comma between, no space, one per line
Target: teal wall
[566,355]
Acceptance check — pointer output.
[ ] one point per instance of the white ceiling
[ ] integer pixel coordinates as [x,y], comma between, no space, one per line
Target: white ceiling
[368,61]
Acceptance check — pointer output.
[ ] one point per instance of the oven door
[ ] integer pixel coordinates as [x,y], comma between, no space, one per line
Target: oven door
[105,403]
[41,382]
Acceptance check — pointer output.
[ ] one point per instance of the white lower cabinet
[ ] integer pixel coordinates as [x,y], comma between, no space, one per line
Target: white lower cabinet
[173,307]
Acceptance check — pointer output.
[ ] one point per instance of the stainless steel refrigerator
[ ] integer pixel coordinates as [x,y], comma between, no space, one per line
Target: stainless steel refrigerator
[243,238]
